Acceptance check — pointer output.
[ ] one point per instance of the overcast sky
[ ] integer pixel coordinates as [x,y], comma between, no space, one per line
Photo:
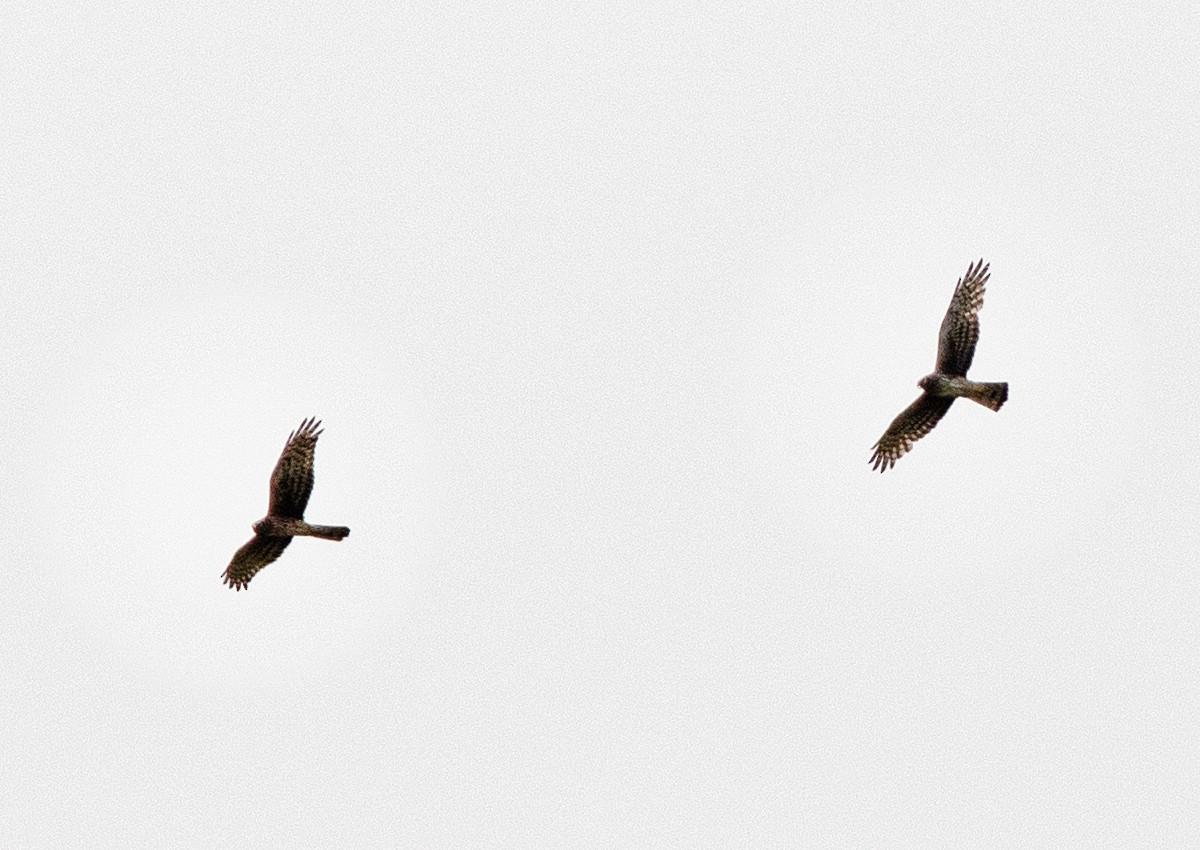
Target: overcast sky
[603,307]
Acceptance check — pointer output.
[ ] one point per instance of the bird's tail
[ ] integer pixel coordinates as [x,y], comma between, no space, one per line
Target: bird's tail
[990,395]
[326,532]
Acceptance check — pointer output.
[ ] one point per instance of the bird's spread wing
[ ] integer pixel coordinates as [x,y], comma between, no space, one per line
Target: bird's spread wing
[960,328]
[292,480]
[252,557]
[912,424]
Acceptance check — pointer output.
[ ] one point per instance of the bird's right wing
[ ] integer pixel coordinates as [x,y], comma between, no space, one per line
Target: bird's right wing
[252,557]
[913,423]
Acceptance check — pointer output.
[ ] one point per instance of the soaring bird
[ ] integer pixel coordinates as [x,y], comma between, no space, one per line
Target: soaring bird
[291,485]
[948,381]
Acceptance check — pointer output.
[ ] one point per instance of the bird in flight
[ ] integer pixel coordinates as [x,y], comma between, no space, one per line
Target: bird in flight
[291,485]
[948,381]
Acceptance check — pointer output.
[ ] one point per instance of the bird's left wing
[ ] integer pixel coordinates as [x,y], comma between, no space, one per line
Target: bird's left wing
[960,327]
[292,480]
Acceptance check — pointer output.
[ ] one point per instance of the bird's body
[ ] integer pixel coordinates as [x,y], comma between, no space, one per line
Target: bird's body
[956,349]
[992,395]
[291,485]
[274,526]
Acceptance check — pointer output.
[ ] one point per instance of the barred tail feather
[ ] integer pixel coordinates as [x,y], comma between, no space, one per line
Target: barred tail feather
[990,395]
[328,532]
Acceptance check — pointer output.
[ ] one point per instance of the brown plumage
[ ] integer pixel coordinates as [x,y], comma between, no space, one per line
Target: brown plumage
[956,349]
[291,485]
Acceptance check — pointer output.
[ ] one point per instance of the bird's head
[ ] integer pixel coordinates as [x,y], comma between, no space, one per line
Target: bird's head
[928,382]
[260,526]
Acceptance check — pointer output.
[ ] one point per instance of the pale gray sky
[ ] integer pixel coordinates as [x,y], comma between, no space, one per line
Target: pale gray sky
[603,308]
